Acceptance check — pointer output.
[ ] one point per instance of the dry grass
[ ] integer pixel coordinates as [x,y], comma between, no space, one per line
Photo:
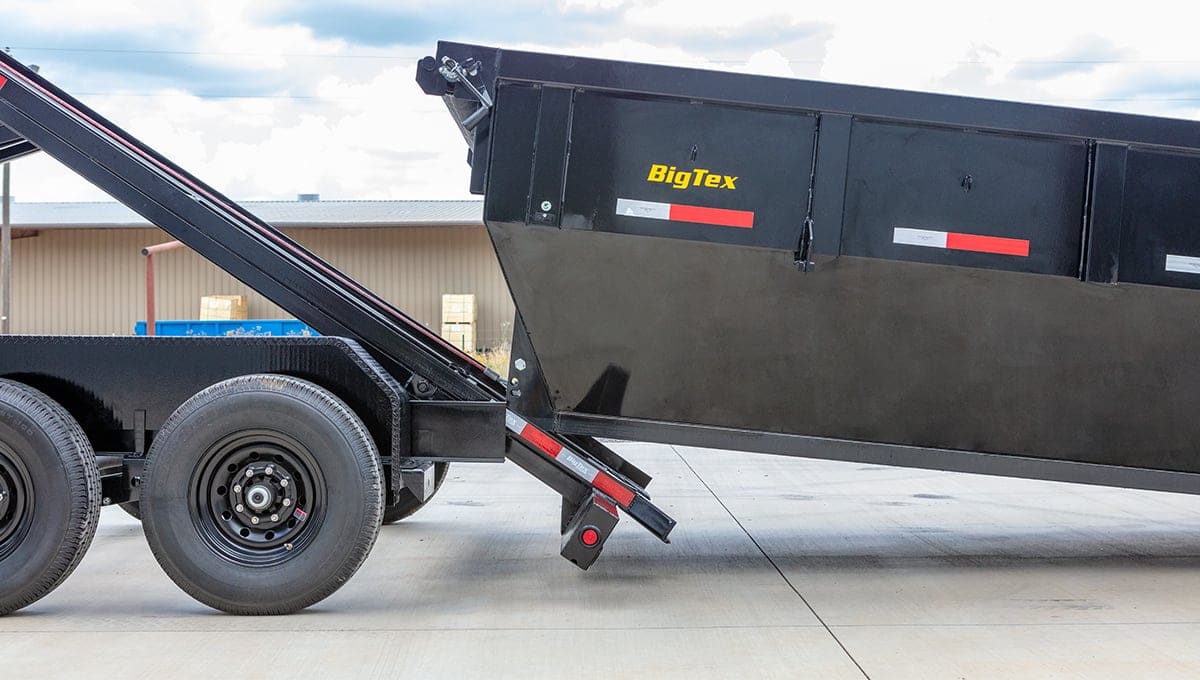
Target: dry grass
[496,358]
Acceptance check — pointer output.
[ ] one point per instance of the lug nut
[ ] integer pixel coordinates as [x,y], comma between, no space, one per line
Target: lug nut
[240,508]
[237,488]
[254,520]
[287,502]
[249,473]
[283,482]
[274,518]
[270,470]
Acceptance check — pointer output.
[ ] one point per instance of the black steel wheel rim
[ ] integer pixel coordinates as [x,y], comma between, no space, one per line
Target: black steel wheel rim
[16,501]
[258,497]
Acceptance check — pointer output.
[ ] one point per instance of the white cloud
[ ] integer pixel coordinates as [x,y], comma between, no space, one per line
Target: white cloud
[360,128]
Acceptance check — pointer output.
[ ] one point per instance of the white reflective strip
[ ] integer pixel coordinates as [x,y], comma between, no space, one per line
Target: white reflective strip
[577,465]
[647,209]
[1183,263]
[514,422]
[919,237]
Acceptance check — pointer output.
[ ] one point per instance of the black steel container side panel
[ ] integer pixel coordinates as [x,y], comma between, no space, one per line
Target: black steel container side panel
[1160,225]
[104,381]
[688,170]
[796,94]
[926,194]
[861,349]
[962,352]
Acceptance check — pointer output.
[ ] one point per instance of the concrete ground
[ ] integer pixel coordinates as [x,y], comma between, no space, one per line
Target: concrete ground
[780,568]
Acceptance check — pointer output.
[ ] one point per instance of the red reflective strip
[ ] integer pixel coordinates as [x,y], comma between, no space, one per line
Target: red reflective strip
[987,244]
[742,219]
[542,440]
[614,489]
[604,505]
[3,80]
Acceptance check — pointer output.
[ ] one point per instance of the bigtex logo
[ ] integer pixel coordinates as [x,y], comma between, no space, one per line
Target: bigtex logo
[682,179]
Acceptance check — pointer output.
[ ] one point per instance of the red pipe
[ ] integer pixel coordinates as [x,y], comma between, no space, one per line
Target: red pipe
[149,252]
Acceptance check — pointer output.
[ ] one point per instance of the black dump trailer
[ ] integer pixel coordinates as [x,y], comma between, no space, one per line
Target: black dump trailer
[733,261]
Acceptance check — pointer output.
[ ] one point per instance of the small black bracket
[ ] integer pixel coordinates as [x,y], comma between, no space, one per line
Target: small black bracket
[417,477]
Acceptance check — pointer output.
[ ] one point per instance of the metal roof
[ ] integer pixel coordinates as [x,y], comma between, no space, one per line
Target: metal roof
[322,213]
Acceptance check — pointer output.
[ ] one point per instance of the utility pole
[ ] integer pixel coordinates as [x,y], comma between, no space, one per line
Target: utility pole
[5,257]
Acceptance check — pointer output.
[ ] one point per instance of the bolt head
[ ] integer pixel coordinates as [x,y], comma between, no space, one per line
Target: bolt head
[240,508]
[254,520]
[283,482]
[249,473]
[270,469]
[237,488]
[274,518]
[519,364]
[287,502]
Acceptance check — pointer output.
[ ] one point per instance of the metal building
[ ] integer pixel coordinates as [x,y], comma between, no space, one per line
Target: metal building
[78,267]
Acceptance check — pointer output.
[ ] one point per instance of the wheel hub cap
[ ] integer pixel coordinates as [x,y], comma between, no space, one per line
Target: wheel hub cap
[259,498]
[255,497]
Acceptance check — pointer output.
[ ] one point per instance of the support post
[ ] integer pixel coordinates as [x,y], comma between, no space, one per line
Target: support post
[149,252]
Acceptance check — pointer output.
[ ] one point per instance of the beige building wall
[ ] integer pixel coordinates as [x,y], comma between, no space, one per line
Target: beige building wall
[92,281]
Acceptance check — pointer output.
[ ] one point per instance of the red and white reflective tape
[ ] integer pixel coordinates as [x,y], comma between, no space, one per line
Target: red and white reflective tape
[3,80]
[546,444]
[949,240]
[674,212]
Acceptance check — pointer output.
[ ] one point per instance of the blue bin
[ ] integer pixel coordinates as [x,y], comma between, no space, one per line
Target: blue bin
[252,327]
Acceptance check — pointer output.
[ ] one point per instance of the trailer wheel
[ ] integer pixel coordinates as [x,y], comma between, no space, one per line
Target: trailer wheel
[262,494]
[49,495]
[408,503]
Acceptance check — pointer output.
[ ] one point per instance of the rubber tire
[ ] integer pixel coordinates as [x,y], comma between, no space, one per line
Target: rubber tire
[66,508]
[409,504]
[349,463]
[132,509]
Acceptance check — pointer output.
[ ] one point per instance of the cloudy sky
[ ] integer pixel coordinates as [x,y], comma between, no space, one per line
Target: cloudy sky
[266,99]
